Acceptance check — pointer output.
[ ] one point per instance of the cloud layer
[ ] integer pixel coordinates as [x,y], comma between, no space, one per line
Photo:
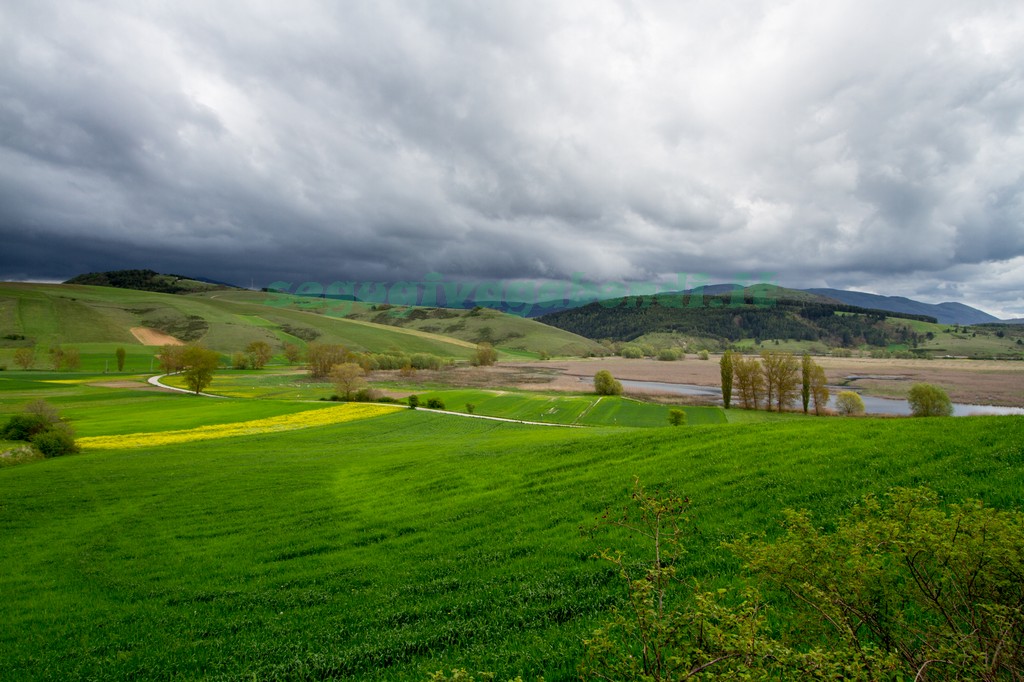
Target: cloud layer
[851,144]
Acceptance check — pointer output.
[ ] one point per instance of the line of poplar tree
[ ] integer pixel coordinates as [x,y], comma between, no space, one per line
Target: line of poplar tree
[773,382]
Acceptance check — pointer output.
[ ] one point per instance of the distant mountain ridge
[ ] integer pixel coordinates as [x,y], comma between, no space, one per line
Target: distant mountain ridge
[945,313]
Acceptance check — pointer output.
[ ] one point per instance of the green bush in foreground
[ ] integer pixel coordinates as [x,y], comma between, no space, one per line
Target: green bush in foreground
[927,400]
[902,589]
[41,425]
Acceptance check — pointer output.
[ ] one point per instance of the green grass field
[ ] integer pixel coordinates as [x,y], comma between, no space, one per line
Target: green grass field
[554,408]
[390,547]
[587,410]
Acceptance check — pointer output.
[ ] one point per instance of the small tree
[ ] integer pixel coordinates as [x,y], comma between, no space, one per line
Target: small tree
[806,369]
[292,353]
[849,403]
[676,417]
[239,360]
[199,365]
[606,384]
[780,378]
[259,353]
[321,357]
[170,358]
[485,355]
[56,354]
[25,357]
[726,371]
[927,400]
[819,388]
[71,360]
[348,379]
[120,354]
[749,381]
[414,402]
[666,630]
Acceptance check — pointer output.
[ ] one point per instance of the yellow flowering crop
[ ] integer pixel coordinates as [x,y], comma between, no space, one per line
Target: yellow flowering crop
[284,422]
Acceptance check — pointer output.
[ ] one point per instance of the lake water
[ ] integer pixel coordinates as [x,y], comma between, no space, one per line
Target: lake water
[872,404]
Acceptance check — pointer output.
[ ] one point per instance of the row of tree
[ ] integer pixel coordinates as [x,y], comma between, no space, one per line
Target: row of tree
[58,357]
[773,382]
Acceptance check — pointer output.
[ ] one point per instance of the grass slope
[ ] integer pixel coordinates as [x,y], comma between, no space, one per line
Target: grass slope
[99,320]
[506,331]
[400,545]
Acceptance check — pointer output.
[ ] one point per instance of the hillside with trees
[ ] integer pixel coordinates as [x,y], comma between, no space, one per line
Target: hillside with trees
[146,280]
[722,319]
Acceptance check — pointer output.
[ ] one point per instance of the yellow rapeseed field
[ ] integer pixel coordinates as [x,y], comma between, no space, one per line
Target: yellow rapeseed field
[284,422]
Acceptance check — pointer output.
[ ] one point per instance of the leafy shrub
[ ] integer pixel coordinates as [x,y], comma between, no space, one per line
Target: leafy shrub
[23,427]
[40,424]
[676,417]
[484,356]
[631,352]
[849,403]
[470,408]
[414,402]
[703,354]
[55,441]
[669,354]
[428,361]
[435,404]
[606,384]
[364,395]
[935,589]
[927,400]
[900,590]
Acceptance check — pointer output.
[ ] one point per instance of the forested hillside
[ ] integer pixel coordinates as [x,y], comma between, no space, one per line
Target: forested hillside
[719,318]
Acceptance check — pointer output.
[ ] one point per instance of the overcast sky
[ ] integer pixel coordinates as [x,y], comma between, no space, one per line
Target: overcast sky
[867,145]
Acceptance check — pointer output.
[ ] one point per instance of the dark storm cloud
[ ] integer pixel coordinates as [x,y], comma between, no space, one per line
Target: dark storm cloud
[848,144]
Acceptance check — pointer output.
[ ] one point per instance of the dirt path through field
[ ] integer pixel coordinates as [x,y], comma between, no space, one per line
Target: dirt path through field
[152,337]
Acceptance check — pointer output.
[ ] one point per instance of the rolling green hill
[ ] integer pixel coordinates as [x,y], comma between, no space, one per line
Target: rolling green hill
[511,333]
[796,324]
[103,317]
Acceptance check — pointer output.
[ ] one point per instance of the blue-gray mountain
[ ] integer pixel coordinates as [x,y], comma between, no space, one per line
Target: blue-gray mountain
[945,313]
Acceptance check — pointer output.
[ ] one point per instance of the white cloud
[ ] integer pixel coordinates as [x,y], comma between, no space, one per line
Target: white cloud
[851,141]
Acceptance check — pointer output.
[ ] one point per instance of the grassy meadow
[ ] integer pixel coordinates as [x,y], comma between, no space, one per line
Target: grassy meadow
[396,543]
[272,535]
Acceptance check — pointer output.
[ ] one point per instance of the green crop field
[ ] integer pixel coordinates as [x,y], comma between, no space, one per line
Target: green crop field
[590,410]
[405,542]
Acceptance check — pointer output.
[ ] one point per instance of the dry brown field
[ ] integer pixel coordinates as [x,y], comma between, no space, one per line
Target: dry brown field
[982,382]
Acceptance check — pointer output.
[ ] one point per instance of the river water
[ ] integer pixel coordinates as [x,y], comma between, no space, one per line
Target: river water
[872,405]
